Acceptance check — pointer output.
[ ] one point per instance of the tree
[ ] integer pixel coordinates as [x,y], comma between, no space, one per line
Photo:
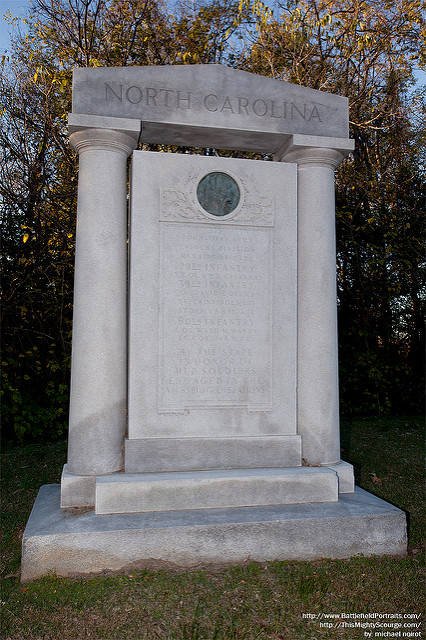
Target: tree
[123,32]
[366,51]
[38,176]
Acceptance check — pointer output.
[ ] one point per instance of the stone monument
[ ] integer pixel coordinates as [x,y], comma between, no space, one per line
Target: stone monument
[204,420]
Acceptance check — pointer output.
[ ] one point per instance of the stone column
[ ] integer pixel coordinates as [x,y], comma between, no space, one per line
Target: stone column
[97,421]
[317,380]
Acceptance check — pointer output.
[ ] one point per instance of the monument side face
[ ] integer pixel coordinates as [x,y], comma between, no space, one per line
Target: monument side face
[198,105]
[212,340]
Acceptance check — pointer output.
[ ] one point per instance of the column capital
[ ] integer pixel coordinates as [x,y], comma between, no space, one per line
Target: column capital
[103,133]
[318,150]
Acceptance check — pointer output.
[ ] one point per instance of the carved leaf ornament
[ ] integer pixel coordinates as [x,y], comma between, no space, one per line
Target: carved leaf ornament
[233,202]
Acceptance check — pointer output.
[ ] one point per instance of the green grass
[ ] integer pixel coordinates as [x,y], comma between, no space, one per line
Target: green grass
[254,600]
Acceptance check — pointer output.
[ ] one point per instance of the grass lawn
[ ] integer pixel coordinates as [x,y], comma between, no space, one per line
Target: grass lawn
[274,600]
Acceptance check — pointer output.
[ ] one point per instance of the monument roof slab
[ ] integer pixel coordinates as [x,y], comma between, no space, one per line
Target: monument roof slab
[209,105]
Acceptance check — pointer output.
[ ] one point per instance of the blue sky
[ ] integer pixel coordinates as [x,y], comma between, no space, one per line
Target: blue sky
[20,8]
[17,8]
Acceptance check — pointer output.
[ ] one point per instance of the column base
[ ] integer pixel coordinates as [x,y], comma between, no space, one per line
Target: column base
[56,540]
[76,490]
[345,473]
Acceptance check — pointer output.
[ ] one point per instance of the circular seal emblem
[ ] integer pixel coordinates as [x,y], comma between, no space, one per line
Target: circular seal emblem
[218,193]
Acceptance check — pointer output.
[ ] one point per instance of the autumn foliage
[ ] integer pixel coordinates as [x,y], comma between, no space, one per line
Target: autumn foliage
[364,50]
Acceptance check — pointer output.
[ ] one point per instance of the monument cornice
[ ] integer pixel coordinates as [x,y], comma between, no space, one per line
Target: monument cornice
[209,105]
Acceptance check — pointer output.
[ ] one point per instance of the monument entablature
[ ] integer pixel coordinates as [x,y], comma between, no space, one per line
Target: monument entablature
[204,405]
[209,106]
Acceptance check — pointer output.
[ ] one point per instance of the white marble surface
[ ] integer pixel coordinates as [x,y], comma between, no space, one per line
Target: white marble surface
[209,105]
[130,493]
[97,419]
[232,334]
[317,349]
[57,541]
[212,312]
[179,454]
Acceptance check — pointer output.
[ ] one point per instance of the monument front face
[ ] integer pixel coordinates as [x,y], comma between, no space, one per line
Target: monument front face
[230,328]
[212,311]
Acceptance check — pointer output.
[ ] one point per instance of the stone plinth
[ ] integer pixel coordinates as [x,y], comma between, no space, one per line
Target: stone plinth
[57,541]
[180,490]
[179,454]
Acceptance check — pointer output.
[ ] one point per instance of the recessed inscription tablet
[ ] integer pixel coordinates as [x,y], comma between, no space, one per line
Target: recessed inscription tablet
[216,317]
[218,193]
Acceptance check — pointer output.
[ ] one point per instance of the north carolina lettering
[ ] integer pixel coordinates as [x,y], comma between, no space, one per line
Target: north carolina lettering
[214,103]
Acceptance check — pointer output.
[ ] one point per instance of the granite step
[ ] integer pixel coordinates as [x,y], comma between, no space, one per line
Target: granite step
[175,491]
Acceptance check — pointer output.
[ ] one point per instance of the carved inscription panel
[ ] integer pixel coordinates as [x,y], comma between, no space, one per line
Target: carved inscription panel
[216,317]
[212,303]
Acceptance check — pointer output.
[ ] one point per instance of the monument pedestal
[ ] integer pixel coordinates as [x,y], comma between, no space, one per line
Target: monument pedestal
[67,542]
[298,483]
[202,517]
[182,490]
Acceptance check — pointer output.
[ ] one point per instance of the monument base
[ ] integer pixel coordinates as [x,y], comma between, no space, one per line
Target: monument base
[77,541]
[85,491]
